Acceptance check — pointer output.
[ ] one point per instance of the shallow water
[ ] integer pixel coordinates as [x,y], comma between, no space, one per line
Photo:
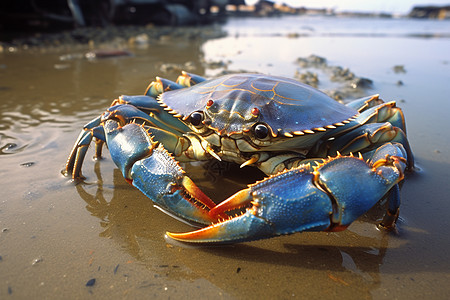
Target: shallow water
[56,236]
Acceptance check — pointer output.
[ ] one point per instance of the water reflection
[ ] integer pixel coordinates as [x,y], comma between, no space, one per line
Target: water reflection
[346,259]
[38,89]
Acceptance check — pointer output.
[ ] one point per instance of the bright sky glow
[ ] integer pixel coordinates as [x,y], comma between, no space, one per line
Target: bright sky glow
[392,6]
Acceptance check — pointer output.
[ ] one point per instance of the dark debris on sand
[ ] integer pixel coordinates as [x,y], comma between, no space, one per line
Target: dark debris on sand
[116,35]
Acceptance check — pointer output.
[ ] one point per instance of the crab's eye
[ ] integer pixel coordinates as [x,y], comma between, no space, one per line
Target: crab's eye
[196,118]
[261,131]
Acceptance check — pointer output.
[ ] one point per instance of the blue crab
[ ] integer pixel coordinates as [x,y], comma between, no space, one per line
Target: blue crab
[302,139]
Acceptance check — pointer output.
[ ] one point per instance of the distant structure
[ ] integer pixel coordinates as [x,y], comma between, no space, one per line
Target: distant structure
[266,8]
[430,12]
[81,13]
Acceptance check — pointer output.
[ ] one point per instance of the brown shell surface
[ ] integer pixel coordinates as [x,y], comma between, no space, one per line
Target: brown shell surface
[287,106]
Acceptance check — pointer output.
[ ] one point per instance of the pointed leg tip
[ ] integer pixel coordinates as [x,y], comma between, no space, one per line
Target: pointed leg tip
[66,173]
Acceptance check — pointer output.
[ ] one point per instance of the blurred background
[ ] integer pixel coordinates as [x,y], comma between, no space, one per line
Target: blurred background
[182,12]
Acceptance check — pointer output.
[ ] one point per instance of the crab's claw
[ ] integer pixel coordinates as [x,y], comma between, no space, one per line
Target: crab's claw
[327,197]
[149,167]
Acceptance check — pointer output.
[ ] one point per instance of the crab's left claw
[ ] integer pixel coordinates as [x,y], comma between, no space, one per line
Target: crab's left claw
[286,203]
[327,197]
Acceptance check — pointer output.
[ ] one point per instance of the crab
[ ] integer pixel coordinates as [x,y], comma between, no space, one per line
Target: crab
[302,139]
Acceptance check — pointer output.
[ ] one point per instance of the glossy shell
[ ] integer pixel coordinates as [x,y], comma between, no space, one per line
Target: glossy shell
[235,103]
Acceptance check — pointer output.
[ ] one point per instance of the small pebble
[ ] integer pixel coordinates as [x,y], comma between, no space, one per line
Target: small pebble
[36,261]
[9,146]
[61,66]
[106,53]
[399,69]
[90,282]
[27,164]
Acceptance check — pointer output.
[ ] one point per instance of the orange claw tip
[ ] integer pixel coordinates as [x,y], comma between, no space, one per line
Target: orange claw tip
[207,234]
[197,193]
[240,199]
[193,189]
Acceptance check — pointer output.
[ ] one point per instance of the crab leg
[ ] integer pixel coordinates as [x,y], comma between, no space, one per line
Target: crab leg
[141,107]
[76,156]
[385,112]
[374,110]
[364,103]
[124,114]
[188,79]
[376,125]
[368,136]
[185,147]
[327,197]
[155,115]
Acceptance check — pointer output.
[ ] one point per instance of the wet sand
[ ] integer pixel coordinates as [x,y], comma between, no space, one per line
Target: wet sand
[57,236]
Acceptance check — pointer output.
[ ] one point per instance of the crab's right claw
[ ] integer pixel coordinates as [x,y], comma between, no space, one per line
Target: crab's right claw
[327,197]
[148,166]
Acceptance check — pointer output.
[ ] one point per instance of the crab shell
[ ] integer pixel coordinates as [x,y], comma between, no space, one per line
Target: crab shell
[233,104]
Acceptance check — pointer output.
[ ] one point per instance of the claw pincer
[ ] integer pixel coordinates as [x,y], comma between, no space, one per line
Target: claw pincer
[149,167]
[327,197]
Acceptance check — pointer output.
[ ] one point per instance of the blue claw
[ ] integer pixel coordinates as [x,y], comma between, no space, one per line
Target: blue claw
[327,197]
[150,168]
[286,203]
